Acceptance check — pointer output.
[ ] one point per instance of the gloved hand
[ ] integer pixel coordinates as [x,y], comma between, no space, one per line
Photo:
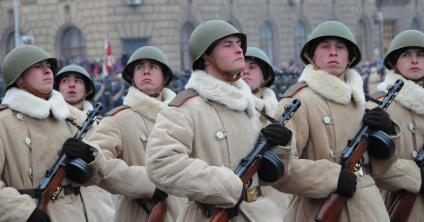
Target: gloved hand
[277,134]
[346,186]
[74,148]
[158,196]
[38,216]
[378,119]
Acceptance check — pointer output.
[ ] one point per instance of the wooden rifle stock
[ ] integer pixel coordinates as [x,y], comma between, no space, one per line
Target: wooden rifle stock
[332,207]
[157,214]
[251,163]
[401,207]
[49,187]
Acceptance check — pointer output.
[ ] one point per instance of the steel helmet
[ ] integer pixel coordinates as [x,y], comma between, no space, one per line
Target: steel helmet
[331,29]
[88,81]
[258,55]
[209,32]
[147,52]
[403,40]
[20,59]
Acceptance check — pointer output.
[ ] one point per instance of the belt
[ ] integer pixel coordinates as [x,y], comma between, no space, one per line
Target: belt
[252,194]
[67,190]
[361,169]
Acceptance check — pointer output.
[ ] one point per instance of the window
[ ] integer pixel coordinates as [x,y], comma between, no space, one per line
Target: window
[266,40]
[186,31]
[73,45]
[300,37]
[388,33]
[415,24]
[130,45]
[361,37]
[10,42]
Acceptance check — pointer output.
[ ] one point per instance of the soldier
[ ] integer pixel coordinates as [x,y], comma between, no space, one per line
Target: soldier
[35,126]
[259,76]
[123,133]
[197,143]
[405,61]
[76,86]
[332,112]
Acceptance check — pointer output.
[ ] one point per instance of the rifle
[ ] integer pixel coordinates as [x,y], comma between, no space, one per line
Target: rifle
[49,187]
[157,214]
[332,207]
[401,207]
[252,162]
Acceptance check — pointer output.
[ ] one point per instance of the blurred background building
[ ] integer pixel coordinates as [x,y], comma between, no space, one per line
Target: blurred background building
[103,33]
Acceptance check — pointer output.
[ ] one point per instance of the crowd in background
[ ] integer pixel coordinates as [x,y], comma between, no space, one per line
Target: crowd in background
[111,88]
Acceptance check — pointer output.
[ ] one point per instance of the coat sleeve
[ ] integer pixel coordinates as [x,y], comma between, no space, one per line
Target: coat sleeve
[118,177]
[307,178]
[13,205]
[172,167]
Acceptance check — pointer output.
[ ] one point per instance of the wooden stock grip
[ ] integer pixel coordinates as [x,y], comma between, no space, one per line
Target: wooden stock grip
[51,189]
[401,207]
[220,215]
[331,209]
[157,214]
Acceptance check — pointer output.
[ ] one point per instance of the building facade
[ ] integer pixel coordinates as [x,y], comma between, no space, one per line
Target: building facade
[76,30]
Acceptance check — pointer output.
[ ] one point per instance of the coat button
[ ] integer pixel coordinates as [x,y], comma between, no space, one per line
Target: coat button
[412,127]
[28,141]
[220,135]
[143,138]
[327,120]
[19,115]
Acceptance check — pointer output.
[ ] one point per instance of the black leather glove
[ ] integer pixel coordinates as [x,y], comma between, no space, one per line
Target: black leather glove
[346,186]
[378,119]
[38,216]
[277,134]
[74,148]
[158,196]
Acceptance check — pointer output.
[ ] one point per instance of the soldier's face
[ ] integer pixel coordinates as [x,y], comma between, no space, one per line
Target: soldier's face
[227,56]
[39,77]
[410,64]
[332,56]
[252,74]
[148,76]
[72,87]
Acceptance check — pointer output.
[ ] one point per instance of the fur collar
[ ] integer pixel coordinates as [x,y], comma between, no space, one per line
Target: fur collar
[146,105]
[28,104]
[410,96]
[333,88]
[236,97]
[268,102]
[87,106]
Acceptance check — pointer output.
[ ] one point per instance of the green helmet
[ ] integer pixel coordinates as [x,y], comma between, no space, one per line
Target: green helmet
[403,40]
[258,55]
[209,32]
[147,52]
[20,59]
[331,29]
[88,81]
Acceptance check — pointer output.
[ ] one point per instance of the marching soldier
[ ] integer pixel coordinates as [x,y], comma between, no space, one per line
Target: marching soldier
[259,76]
[198,142]
[35,126]
[77,88]
[123,134]
[405,61]
[332,112]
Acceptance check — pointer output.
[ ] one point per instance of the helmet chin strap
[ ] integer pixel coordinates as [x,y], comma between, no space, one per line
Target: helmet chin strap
[24,86]
[227,76]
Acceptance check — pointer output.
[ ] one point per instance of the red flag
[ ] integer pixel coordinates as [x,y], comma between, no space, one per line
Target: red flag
[108,59]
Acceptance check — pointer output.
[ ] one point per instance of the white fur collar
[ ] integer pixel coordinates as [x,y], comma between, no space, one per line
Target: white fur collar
[410,96]
[268,102]
[146,105]
[236,97]
[87,106]
[28,104]
[333,88]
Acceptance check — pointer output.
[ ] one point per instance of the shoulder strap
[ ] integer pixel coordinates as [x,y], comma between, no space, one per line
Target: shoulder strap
[183,97]
[3,107]
[117,110]
[290,92]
